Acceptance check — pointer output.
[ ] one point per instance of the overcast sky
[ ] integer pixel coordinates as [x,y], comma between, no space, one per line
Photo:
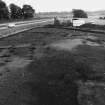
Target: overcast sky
[61,5]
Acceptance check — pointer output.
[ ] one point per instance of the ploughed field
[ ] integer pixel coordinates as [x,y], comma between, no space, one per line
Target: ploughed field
[51,66]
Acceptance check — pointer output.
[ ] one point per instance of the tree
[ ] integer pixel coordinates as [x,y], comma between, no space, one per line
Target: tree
[28,11]
[4,12]
[16,11]
[78,13]
[56,21]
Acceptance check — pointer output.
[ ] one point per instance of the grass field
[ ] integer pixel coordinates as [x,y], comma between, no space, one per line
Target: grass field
[51,75]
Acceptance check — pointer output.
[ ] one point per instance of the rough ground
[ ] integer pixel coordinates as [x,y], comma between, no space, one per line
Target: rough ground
[13,68]
[11,78]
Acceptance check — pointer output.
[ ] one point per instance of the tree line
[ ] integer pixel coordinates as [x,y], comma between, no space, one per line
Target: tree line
[15,12]
[78,13]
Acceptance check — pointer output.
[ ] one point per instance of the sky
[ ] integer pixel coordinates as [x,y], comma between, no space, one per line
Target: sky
[61,5]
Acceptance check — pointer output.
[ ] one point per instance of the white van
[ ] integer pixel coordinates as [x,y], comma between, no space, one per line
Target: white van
[78,22]
[11,25]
